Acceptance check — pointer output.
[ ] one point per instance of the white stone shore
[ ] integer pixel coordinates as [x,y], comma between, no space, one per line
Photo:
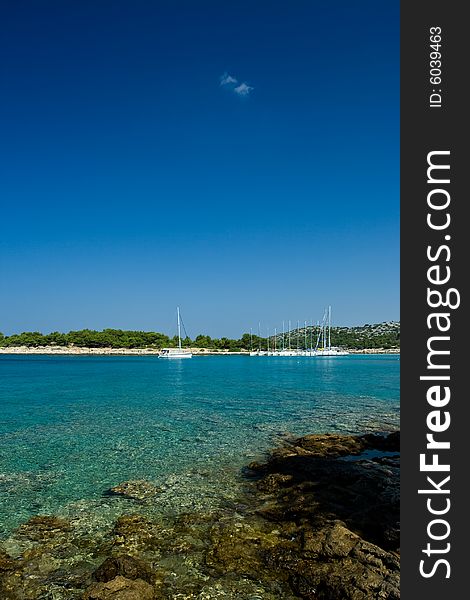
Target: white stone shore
[75,350]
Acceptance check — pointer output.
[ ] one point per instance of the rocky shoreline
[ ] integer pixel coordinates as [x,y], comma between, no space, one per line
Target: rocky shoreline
[75,350]
[318,520]
[340,497]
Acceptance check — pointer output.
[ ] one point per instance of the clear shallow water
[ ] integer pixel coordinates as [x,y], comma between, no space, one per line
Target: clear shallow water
[73,426]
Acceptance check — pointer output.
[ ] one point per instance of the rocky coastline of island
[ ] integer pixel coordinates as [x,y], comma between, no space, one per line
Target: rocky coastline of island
[318,520]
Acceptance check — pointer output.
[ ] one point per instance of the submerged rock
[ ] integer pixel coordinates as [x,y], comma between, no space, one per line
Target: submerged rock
[140,490]
[237,547]
[6,562]
[136,534]
[329,445]
[8,575]
[126,566]
[232,587]
[273,482]
[120,588]
[335,445]
[43,527]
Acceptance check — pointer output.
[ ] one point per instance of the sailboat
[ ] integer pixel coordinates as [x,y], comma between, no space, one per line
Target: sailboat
[325,333]
[176,352]
[323,345]
[289,351]
[258,352]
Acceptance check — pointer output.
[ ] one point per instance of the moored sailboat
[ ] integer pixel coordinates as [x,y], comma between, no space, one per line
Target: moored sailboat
[178,352]
[323,345]
[325,333]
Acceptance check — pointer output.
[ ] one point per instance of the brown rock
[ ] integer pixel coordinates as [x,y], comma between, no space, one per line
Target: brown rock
[6,562]
[390,442]
[336,563]
[238,547]
[273,482]
[8,576]
[332,542]
[120,588]
[331,445]
[126,566]
[363,493]
[135,534]
[342,509]
[43,527]
[139,490]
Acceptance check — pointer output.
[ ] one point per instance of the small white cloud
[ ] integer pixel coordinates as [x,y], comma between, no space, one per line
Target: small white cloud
[231,83]
[227,79]
[243,89]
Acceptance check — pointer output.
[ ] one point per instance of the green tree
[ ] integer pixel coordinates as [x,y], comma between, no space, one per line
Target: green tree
[203,341]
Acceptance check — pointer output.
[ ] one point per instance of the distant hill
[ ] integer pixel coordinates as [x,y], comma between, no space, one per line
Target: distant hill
[379,335]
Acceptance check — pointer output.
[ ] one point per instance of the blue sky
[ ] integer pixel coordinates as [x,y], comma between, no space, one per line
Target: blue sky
[134,179]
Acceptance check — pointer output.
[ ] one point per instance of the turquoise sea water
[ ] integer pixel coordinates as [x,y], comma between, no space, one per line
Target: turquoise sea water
[71,427]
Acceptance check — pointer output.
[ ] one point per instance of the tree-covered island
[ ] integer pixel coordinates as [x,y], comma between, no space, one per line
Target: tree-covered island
[382,335]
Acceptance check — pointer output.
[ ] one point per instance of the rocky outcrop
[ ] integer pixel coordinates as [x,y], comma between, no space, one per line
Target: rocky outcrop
[331,445]
[136,534]
[337,497]
[334,562]
[120,588]
[8,572]
[125,566]
[313,479]
[6,562]
[43,527]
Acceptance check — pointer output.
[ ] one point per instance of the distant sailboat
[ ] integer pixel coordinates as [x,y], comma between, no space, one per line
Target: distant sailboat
[323,345]
[176,352]
[258,352]
[325,332]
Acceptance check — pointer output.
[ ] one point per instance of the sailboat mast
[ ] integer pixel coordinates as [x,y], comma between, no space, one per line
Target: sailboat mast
[323,330]
[329,328]
[275,339]
[179,326]
[251,339]
[267,341]
[305,336]
[318,336]
[288,334]
[298,333]
[283,335]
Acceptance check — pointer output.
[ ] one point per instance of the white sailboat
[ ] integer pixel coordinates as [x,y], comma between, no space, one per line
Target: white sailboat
[176,352]
[258,352]
[287,351]
[325,333]
[323,345]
